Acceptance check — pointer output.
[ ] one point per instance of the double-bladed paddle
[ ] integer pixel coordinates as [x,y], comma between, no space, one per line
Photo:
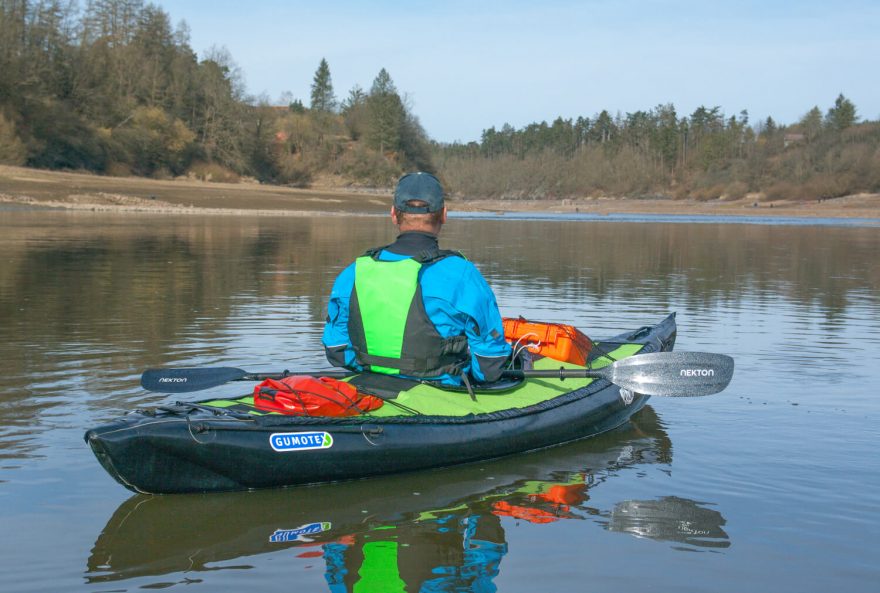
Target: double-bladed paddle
[670,374]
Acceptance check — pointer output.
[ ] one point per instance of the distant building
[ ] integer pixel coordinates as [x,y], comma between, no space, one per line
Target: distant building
[790,139]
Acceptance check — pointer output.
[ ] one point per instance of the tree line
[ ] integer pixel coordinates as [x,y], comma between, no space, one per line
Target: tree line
[704,155]
[113,87]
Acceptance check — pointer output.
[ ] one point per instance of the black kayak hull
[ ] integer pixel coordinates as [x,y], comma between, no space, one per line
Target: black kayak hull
[202,452]
[160,535]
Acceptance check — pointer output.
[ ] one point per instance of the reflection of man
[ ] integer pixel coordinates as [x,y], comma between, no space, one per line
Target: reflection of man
[452,553]
[412,309]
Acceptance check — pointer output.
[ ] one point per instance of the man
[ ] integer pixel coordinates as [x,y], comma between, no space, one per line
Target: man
[412,309]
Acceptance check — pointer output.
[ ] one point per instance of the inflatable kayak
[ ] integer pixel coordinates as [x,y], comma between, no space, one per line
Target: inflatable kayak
[230,444]
[161,535]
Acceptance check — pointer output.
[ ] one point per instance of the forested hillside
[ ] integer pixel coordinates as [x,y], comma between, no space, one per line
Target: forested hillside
[110,86]
[114,88]
[706,155]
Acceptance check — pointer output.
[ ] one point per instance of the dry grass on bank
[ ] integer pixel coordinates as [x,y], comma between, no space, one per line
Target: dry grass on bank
[81,191]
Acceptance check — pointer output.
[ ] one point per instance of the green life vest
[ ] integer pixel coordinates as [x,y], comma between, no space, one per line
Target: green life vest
[388,326]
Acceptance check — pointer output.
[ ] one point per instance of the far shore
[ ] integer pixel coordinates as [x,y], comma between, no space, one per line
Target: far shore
[38,189]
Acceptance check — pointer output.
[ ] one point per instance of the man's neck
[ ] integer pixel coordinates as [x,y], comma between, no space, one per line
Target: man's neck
[412,242]
[430,230]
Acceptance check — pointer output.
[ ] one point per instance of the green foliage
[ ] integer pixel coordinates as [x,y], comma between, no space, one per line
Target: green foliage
[389,127]
[115,88]
[811,123]
[154,142]
[413,145]
[59,138]
[12,150]
[385,114]
[842,115]
[354,112]
[323,98]
[704,156]
[383,85]
[385,120]
[356,97]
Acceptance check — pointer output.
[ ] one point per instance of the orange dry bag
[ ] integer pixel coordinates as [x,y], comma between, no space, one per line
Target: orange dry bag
[303,395]
[558,341]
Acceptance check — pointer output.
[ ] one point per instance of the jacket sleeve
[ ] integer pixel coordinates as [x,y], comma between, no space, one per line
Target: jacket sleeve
[485,332]
[337,344]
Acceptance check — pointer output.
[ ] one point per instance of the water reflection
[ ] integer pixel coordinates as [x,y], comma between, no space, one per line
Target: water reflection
[670,518]
[441,530]
[88,301]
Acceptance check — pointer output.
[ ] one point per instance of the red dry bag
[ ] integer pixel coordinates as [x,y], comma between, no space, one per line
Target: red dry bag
[303,395]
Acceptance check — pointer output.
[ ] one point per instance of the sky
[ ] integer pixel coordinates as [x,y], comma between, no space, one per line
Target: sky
[465,66]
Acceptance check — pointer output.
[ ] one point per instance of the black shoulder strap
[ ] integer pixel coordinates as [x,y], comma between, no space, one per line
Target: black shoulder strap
[429,256]
[374,252]
[426,256]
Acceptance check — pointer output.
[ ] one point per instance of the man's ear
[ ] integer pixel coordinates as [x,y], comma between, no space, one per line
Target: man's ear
[443,216]
[393,215]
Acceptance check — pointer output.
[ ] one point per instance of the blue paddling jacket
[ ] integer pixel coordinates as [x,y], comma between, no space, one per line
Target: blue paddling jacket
[451,326]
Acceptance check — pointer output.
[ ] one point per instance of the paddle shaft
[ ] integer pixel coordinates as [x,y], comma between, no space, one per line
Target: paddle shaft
[560,373]
[669,374]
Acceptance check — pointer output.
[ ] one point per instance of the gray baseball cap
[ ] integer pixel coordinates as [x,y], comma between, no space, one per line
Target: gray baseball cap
[418,186]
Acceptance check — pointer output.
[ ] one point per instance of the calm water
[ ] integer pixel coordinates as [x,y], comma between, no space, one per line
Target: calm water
[773,485]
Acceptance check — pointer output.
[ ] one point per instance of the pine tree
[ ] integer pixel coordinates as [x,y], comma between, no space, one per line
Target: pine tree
[354,112]
[323,98]
[356,98]
[842,115]
[811,123]
[382,84]
[386,114]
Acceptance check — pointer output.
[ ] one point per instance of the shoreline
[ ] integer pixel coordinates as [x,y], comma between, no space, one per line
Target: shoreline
[36,189]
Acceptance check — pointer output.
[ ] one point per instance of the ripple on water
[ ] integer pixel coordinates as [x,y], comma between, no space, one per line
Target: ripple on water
[781,460]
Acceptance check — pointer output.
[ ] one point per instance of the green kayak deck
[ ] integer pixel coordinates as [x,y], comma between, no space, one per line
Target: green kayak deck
[430,400]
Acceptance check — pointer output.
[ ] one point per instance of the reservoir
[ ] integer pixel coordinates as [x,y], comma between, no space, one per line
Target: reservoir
[773,484]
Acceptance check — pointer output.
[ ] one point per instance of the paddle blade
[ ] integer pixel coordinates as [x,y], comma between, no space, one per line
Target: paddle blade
[185,380]
[673,374]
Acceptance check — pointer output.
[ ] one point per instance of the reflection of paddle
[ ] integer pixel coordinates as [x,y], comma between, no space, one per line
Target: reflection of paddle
[671,518]
[670,374]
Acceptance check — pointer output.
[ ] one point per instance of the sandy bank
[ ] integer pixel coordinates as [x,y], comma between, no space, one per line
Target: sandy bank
[35,188]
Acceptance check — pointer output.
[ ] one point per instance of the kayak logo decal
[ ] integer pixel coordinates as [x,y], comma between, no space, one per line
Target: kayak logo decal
[172,379]
[299,534]
[300,441]
[697,372]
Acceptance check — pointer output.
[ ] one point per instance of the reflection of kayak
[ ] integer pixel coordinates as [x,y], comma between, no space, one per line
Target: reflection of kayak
[160,535]
[229,445]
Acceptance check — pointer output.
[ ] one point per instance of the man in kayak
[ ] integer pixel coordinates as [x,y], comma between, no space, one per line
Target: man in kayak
[413,309]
